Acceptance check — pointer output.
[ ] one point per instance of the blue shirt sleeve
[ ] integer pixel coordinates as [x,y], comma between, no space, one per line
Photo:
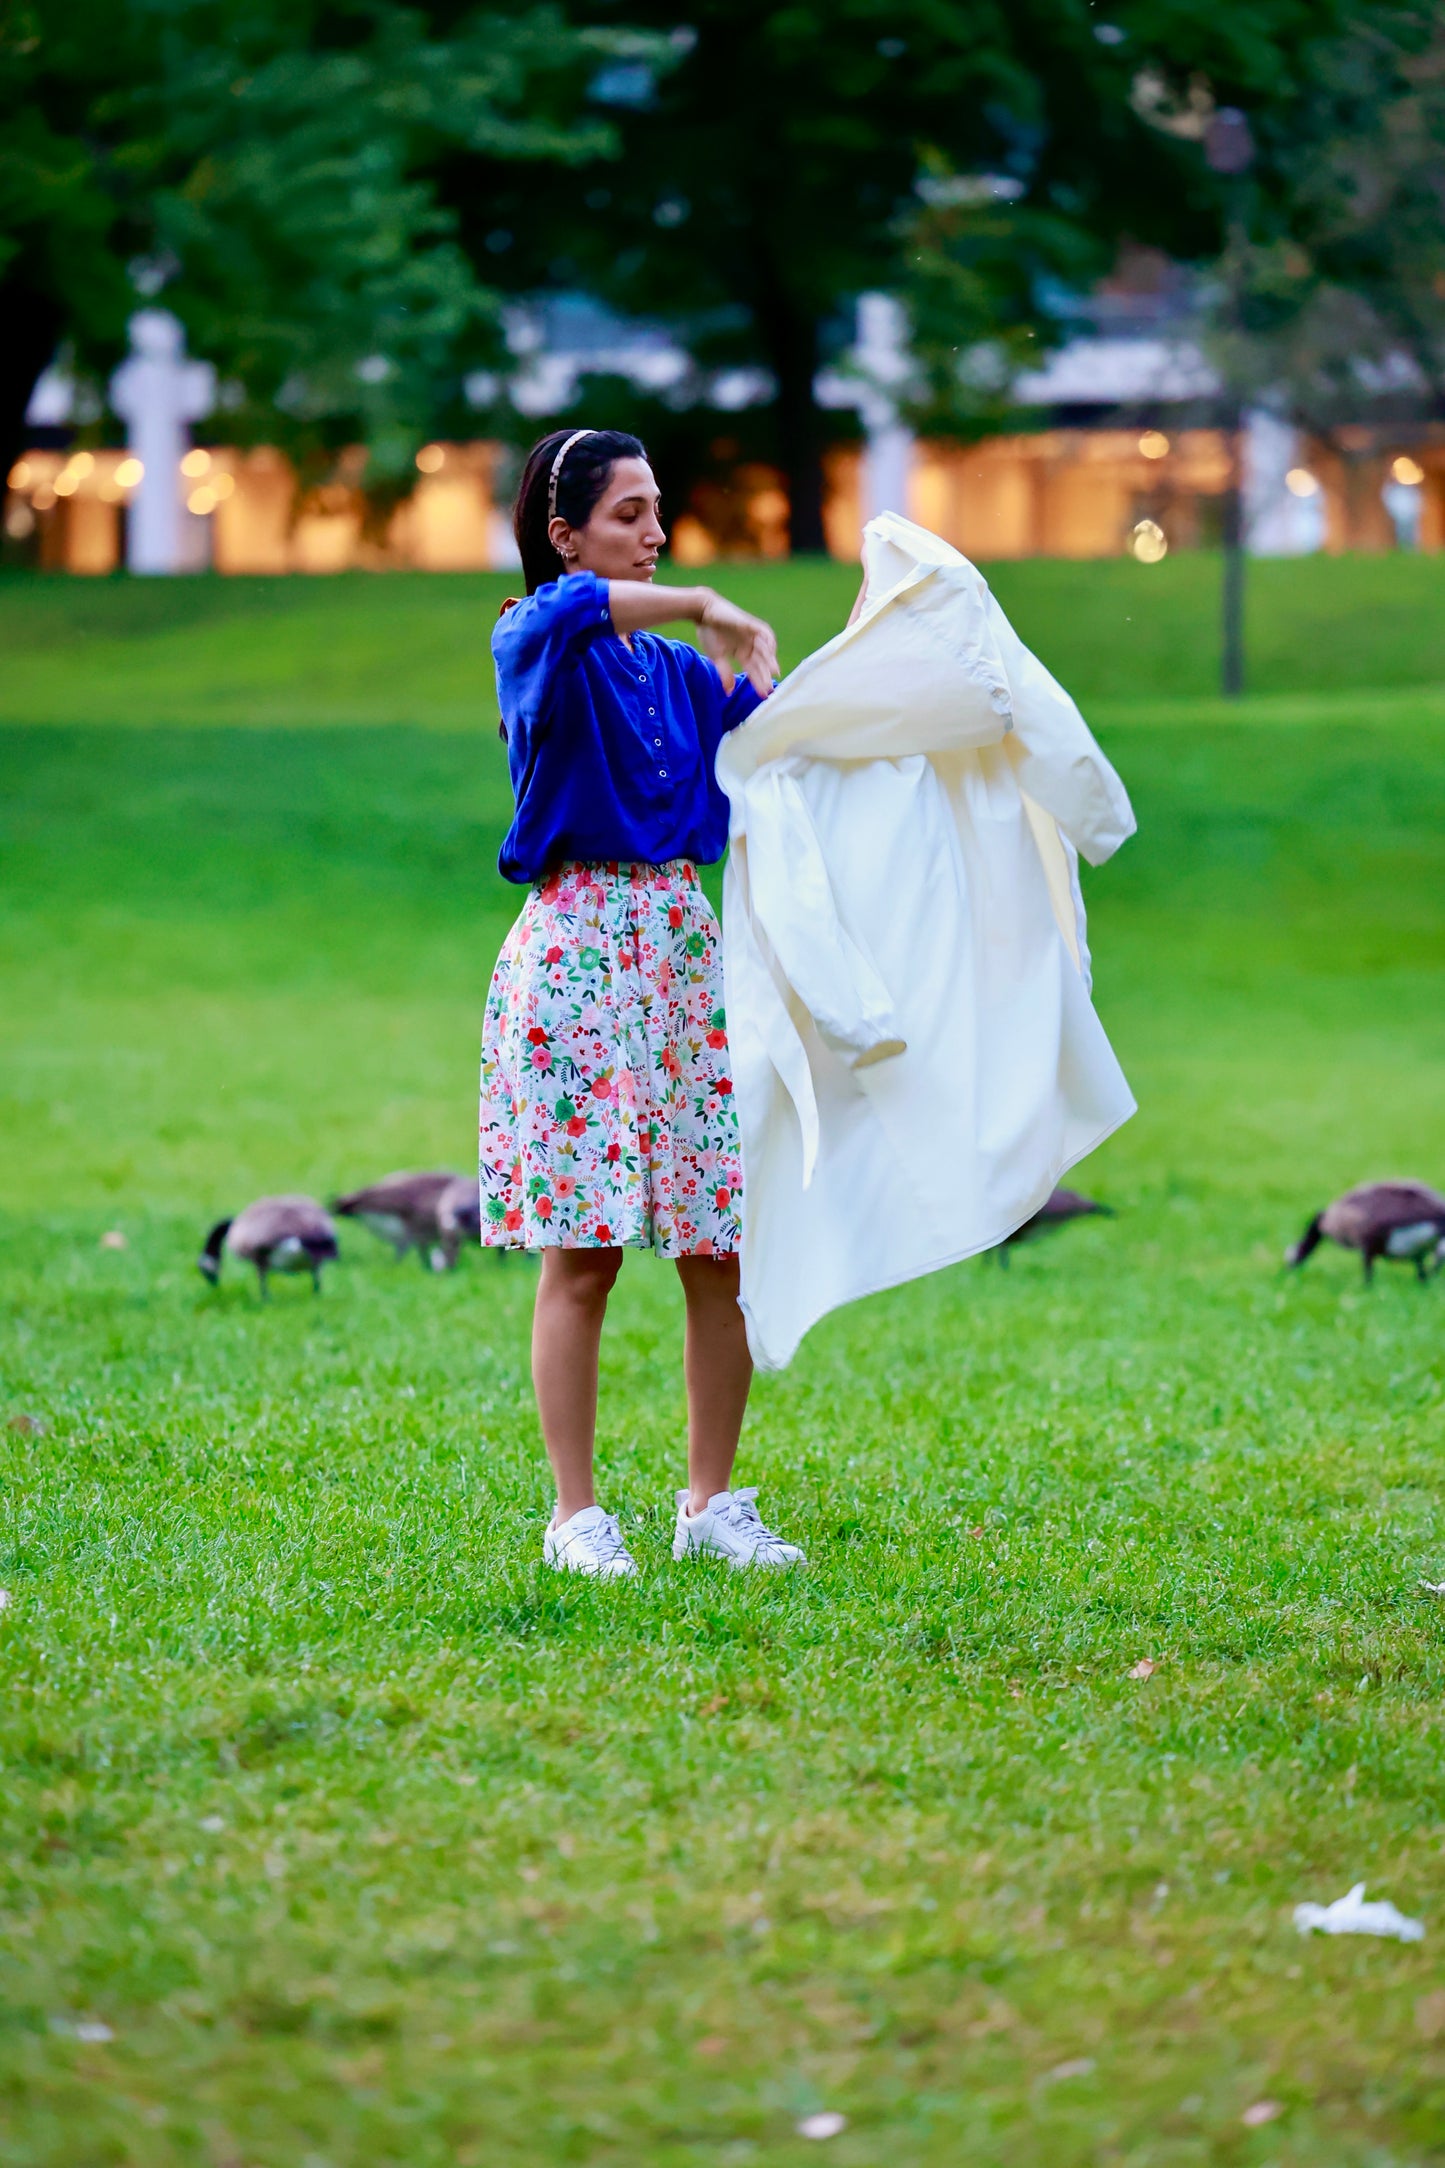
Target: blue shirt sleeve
[537,643]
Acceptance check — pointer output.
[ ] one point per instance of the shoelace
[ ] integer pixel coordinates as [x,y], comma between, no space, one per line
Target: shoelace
[605,1539]
[741,1513]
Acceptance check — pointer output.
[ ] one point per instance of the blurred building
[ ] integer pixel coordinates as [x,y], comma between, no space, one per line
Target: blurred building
[1123,453]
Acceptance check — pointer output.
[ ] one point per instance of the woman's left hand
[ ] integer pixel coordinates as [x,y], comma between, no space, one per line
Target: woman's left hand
[730,634]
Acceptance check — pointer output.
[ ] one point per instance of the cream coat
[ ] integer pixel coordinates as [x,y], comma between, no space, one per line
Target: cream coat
[916,1057]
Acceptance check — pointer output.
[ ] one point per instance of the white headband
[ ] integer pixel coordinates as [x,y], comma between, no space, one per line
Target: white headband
[575,438]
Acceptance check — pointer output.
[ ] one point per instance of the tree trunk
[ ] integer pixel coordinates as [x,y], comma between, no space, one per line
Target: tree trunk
[33,324]
[792,346]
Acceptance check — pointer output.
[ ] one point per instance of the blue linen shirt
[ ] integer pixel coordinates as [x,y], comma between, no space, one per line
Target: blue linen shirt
[611,748]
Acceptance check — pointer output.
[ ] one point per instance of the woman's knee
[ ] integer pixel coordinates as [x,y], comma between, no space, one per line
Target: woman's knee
[583,1276]
[709,1279]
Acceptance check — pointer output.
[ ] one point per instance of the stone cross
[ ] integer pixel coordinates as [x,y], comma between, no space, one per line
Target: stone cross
[881,356]
[158,394]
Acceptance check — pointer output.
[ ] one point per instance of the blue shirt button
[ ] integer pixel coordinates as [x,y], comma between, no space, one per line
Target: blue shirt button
[652,711]
[663,773]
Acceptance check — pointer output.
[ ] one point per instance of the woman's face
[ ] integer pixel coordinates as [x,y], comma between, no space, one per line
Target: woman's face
[622,538]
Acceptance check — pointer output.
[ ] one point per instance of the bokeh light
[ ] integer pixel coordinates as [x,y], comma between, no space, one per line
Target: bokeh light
[431,458]
[195,464]
[1154,444]
[1407,470]
[1300,482]
[202,500]
[1148,542]
[129,473]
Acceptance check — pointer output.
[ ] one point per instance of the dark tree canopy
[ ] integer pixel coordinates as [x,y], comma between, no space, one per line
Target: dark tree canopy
[268,166]
[1343,258]
[771,174]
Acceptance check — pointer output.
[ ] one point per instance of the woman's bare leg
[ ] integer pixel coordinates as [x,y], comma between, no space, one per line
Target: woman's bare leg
[718,1370]
[566,1334]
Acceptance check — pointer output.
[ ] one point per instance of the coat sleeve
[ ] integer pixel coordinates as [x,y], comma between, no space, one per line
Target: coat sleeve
[1055,755]
[836,981]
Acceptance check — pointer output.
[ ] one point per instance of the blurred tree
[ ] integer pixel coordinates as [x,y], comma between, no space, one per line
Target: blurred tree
[267,167]
[1341,266]
[802,153]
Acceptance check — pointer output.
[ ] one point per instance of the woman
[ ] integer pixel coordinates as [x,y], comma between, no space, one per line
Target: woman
[606,1113]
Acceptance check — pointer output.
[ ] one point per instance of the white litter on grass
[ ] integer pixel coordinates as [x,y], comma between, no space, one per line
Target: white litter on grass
[92,2030]
[1432,1588]
[1350,1915]
[212,1824]
[826,2124]
[4,1599]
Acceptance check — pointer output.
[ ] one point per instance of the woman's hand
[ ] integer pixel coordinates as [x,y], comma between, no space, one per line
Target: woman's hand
[729,634]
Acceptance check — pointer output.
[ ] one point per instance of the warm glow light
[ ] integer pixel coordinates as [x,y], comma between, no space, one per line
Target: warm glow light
[108,493]
[19,476]
[80,464]
[1300,482]
[431,458]
[201,500]
[195,464]
[43,499]
[223,485]
[1407,470]
[66,483]
[1148,542]
[1154,444]
[19,522]
[129,472]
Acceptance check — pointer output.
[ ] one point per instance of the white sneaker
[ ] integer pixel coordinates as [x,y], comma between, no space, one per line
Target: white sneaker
[591,1542]
[730,1527]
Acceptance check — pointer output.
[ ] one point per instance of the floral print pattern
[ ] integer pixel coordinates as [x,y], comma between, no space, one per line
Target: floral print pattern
[606,1103]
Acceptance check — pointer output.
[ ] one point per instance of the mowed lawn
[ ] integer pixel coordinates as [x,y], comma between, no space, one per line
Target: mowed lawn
[337,1835]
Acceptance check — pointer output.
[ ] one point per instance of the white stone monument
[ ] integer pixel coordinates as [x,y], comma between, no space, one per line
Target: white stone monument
[881,356]
[158,393]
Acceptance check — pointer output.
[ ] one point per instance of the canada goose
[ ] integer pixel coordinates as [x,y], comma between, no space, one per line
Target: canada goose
[459,1218]
[1055,1211]
[402,1210]
[275,1234]
[1404,1220]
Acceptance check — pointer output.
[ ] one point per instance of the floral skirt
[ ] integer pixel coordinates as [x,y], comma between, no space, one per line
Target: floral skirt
[606,1102]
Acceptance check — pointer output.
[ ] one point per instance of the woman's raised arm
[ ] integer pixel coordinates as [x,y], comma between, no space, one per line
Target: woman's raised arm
[728,633]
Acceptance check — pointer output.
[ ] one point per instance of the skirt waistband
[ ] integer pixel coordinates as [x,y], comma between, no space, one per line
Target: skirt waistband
[635,872]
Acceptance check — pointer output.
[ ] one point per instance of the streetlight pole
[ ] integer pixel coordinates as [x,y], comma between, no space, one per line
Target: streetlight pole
[1229,148]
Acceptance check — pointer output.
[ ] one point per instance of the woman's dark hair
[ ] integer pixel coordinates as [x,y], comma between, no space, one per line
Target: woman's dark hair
[584,475]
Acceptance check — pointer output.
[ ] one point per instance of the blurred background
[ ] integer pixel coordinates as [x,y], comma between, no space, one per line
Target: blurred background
[288,288]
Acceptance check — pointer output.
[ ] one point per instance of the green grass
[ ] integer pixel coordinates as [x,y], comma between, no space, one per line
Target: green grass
[413,648]
[374,1847]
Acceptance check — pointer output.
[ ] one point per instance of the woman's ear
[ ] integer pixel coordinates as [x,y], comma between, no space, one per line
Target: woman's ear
[559,534]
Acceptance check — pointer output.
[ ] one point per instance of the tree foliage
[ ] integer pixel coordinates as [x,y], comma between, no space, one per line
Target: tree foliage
[775,172]
[272,168]
[1341,258]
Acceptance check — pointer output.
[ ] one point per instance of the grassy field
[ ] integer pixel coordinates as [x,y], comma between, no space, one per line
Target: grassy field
[333,1834]
[413,648]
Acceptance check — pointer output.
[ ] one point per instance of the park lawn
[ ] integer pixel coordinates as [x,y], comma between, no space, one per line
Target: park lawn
[408,648]
[332,1831]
